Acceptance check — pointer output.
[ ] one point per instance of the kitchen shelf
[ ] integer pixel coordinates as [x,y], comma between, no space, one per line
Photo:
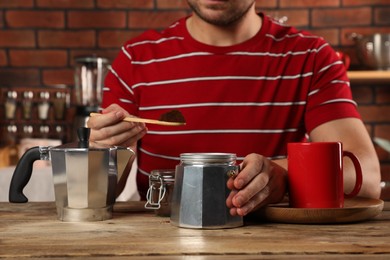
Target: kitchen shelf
[55,123]
[369,76]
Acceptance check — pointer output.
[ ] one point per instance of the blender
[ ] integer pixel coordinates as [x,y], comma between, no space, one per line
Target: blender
[90,72]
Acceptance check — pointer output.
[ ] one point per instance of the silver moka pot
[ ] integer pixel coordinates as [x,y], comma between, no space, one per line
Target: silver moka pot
[85,176]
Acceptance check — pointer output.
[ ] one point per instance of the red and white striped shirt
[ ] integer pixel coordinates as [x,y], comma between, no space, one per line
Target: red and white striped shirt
[253,97]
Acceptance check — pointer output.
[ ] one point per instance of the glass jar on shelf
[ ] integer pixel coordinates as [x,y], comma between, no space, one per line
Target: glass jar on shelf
[59,103]
[44,105]
[11,104]
[27,104]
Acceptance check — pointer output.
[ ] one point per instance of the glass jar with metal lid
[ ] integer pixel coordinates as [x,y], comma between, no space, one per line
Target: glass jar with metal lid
[158,197]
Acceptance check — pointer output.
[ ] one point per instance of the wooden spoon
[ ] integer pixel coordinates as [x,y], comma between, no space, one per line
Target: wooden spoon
[171,118]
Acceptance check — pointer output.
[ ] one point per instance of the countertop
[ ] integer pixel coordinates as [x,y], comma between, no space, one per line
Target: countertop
[32,230]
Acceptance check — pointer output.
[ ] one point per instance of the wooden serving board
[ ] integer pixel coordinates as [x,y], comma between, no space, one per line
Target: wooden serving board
[355,210]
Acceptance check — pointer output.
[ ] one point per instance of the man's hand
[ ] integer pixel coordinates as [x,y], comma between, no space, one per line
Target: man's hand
[259,182]
[109,128]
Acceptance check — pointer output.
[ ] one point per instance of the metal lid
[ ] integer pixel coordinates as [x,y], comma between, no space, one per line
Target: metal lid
[168,175]
[91,60]
[204,158]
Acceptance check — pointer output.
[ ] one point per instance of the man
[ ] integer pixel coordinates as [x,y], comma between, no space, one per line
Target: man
[246,85]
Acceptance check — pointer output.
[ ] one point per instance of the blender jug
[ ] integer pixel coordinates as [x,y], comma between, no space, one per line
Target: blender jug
[89,81]
[89,77]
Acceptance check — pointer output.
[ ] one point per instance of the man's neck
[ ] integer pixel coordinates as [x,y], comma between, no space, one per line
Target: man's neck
[230,35]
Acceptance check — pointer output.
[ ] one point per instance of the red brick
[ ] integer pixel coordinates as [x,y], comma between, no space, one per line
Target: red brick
[97,19]
[309,3]
[382,131]
[382,16]
[369,129]
[365,2]
[297,18]
[60,76]
[112,38]
[385,170]
[341,17]
[383,155]
[79,39]
[138,4]
[3,58]
[146,20]
[383,95]
[276,15]
[171,4]
[35,19]
[17,38]
[38,58]
[261,4]
[66,3]
[385,193]
[16,3]
[330,35]
[374,113]
[363,94]
[19,77]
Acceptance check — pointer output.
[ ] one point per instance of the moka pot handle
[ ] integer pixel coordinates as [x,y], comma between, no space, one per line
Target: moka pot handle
[22,175]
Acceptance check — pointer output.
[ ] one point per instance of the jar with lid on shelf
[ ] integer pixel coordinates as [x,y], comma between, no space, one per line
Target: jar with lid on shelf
[44,105]
[11,104]
[27,104]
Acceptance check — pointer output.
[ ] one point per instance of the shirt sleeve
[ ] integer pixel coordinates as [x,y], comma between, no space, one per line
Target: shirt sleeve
[330,96]
[117,84]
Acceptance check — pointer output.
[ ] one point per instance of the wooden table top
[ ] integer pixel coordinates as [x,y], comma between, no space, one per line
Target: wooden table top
[32,230]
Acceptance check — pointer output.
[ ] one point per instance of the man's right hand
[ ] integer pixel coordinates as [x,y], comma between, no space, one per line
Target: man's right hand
[109,128]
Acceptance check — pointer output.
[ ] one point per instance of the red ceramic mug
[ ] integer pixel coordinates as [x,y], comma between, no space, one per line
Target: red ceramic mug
[315,175]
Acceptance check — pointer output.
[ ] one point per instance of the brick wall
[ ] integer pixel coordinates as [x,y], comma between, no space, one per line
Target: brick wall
[40,38]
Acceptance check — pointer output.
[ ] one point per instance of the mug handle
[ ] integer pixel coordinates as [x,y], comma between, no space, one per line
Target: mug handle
[347,61]
[359,175]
